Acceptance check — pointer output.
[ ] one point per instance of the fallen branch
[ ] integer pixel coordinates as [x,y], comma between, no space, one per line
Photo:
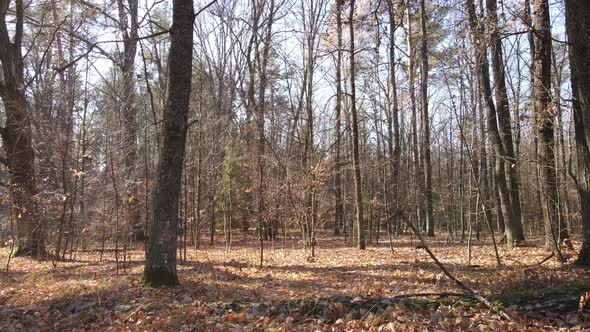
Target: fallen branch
[444,294]
[452,277]
[547,258]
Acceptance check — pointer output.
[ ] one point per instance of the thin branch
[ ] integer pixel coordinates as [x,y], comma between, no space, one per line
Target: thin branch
[204,8]
[96,45]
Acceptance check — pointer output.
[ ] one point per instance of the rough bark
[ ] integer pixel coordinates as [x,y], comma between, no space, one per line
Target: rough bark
[160,264]
[544,119]
[17,134]
[578,30]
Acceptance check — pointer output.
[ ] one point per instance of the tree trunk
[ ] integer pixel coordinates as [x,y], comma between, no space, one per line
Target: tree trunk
[393,119]
[544,119]
[578,29]
[512,210]
[16,135]
[128,25]
[360,223]
[338,204]
[429,219]
[413,122]
[160,265]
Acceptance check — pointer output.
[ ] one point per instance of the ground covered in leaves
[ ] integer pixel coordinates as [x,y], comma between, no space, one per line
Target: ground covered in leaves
[341,289]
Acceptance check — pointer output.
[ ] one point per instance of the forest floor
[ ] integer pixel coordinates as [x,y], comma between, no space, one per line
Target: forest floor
[341,289]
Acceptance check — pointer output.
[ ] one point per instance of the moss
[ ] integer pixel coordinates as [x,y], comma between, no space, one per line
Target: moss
[157,278]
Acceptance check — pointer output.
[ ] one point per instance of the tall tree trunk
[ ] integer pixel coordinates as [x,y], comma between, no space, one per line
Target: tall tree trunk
[360,223]
[426,125]
[544,119]
[160,264]
[578,30]
[413,121]
[17,134]
[338,204]
[128,25]
[393,119]
[482,64]
[514,229]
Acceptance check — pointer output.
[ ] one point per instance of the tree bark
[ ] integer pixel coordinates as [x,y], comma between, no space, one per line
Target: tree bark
[17,135]
[129,26]
[413,121]
[429,219]
[578,30]
[544,119]
[360,223]
[160,265]
[338,204]
[512,207]
[393,119]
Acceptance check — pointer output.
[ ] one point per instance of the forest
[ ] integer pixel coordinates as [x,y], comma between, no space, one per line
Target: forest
[294,165]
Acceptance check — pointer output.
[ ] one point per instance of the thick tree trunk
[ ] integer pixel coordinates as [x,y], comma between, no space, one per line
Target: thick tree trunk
[360,223]
[17,135]
[578,29]
[160,265]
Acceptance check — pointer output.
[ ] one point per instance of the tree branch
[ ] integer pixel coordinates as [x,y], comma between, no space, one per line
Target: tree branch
[204,8]
[452,277]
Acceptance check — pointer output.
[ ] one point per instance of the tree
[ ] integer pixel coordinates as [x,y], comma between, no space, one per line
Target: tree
[418,177]
[338,204]
[160,264]
[17,134]
[393,125]
[129,26]
[544,117]
[426,124]
[358,189]
[578,30]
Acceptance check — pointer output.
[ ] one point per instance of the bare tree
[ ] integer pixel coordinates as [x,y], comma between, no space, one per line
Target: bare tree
[511,204]
[545,118]
[358,189]
[426,124]
[160,264]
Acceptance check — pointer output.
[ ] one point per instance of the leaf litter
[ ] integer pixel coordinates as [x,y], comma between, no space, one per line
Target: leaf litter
[342,289]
